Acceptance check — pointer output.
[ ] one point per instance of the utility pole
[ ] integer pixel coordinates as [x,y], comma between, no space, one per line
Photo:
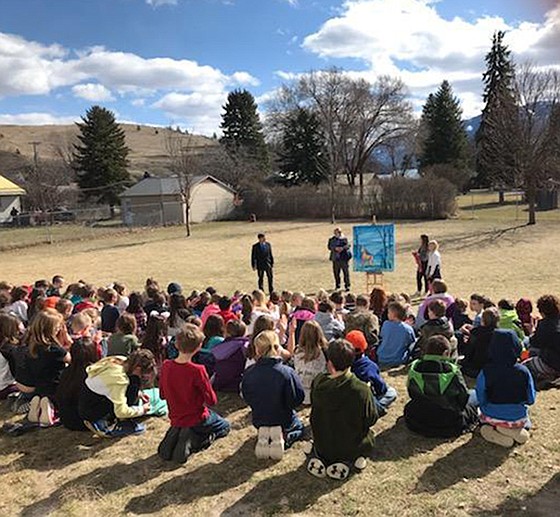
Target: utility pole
[35,145]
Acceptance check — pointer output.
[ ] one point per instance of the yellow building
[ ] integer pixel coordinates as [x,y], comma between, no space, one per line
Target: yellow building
[10,199]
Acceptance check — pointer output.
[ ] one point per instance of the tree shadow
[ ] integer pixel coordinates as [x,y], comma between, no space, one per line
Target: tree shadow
[210,479]
[544,502]
[290,493]
[104,480]
[472,460]
[398,443]
[477,239]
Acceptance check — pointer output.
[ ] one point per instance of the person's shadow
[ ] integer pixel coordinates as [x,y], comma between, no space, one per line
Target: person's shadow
[209,479]
[472,460]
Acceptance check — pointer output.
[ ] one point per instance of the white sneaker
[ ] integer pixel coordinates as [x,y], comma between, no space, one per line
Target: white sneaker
[360,463]
[519,435]
[34,410]
[491,435]
[47,416]
[316,468]
[338,471]
[276,443]
[262,449]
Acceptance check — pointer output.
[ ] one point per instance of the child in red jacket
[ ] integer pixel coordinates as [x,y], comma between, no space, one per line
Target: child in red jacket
[187,389]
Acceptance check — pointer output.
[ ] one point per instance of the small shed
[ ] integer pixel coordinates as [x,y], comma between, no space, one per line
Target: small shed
[10,199]
[157,201]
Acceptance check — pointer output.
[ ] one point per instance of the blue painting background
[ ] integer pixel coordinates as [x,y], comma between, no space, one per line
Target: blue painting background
[374,248]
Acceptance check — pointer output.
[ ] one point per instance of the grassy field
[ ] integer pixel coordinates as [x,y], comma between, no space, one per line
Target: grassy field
[62,473]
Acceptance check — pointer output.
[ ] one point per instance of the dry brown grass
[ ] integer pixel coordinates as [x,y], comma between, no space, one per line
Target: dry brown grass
[62,473]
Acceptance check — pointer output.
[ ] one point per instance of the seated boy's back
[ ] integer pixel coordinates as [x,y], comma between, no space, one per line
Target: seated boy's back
[396,337]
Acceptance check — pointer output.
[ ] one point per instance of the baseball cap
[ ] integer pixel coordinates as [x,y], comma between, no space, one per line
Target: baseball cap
[357,339]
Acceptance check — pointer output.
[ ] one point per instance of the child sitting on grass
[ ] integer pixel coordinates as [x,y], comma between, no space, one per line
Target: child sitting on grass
[111,401]
[476,349]
[439,399]
[342,412]
[110,312]
[504,389]
[367,371]
[509,320]
[274,391]
[187,389]
[437,325]
[229,358]
[124,340]
[396,336]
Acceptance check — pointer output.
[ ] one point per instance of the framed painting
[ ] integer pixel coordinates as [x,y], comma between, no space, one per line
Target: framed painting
[374,248]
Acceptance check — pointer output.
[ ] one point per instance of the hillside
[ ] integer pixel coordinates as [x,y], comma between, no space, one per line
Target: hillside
[146,143]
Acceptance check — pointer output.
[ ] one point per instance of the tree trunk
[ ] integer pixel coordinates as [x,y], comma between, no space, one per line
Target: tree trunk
[501,197]
[532,201]
[361,186]
[188,219]
[333,181]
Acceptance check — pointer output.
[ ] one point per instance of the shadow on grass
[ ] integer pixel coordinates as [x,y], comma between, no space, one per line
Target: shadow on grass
[210,479]
[477,239]
[472,460]
[290,493]
[543,502]
[104,481]
[229,403]
[398,443]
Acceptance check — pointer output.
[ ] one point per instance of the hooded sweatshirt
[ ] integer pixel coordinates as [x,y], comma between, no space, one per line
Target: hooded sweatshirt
[342,412]
[438,327]
[108,378]
[229,364]
[423,309]
[509,320]
[546,340]
[367,371]
[504,387]
[332,328]
[476,351]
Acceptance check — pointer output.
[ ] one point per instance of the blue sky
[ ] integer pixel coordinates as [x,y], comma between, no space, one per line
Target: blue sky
[173,61]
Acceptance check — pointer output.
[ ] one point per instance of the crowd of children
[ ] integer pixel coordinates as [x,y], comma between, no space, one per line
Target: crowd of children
[102,359]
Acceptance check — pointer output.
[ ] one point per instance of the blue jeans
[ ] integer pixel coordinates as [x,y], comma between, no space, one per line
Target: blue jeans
[382,403]
[214,424]
[294,432]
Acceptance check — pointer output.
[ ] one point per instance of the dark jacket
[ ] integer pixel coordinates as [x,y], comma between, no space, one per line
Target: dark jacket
[365,321]
[438,327]
[342,412]
[546,340]
[367,371]
[439,396]
[230,364]
[273,390]
[261,256]
[339,242]
[476,351]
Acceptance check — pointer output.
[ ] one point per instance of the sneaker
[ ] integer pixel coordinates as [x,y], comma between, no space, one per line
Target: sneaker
[308,448]
[183,447]
[46,415]
[276,443]
[34,412]
[519,435]
[98,428]
[126,428]
[360,464]
[262,449]
[338,471]
[417,294]
[316,468]
[491,435]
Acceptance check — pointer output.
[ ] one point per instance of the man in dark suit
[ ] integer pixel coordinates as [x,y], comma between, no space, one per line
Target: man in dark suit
[262,261]
[340,255]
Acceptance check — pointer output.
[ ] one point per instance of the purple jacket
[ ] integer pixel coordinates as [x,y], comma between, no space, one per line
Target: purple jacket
[230,364]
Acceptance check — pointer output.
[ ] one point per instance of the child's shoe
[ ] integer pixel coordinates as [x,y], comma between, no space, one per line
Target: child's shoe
[519,435]
[98,428]
[338,471]
[34,412]
[46,415]
[316,468]
[183,447]
[125,428]
[360,464]
[262,449]
[308,448]
[276,443]
[491,435]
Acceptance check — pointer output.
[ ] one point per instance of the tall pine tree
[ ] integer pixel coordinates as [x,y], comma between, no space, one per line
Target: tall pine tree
[492,153]
[444,137]
[100,159]
[242,128]
[302,159]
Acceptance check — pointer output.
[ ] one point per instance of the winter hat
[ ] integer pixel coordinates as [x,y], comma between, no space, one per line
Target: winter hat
[357,339]
[174,288]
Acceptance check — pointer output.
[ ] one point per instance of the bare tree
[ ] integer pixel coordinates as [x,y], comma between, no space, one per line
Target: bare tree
[356,117]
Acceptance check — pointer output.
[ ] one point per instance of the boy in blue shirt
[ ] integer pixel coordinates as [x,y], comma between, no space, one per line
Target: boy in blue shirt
[367,371]
[397,338]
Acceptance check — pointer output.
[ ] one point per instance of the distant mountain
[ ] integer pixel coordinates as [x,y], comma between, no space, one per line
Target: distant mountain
[472,125]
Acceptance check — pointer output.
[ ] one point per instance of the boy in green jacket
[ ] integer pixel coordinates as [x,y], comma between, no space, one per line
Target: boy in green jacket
[342,412]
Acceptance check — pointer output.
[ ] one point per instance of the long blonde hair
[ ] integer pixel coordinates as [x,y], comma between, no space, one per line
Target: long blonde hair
[263,323]
[267,344]
[43,330]
[312,341]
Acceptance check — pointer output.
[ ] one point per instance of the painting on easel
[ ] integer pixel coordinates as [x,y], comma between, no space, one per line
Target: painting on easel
[374,248]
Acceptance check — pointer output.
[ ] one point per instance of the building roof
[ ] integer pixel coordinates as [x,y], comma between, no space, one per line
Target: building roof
[8,188]
[166,186]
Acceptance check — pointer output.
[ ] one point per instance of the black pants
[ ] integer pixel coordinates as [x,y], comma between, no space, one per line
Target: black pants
[269,277]
[422,276]
[93,407]
[338,267]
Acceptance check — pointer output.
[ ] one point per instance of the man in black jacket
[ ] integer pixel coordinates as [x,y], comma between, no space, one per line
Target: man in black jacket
[340,255]
[262,261]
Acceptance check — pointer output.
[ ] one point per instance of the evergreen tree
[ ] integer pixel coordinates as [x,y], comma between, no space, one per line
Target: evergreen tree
[242,128]
[444,137]
[302,158]
[492,154]
[100,159]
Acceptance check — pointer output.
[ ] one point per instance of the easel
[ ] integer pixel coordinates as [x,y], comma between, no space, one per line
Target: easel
[375,279]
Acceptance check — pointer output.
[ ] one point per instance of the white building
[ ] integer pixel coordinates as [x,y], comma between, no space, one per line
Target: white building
[10,198]
[155,201]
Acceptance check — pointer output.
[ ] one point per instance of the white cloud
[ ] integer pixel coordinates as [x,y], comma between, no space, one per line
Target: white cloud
[244,78]
[409,38]
[293,3]
[35,119]
[93,92]
[158,3]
